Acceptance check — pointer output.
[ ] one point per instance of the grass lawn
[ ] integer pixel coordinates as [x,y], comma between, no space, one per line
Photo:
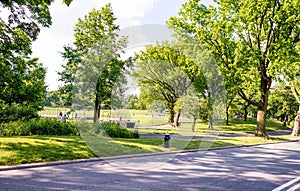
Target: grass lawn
[21,150]
[235,126]
[30,149]
[140,117]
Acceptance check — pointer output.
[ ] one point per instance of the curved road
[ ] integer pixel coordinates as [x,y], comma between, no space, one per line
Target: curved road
[257,168]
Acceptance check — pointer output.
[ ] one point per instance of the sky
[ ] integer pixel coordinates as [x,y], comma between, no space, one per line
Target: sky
[129,14]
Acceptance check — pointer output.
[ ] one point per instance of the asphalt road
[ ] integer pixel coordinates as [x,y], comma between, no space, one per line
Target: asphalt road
[265,167]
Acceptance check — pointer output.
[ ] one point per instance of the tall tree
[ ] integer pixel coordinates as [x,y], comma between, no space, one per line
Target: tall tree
[252,42]
[282,104]
[168,72]
[22,79]
[93,63]
[24,91]
[295,87]
[20,25]
[215,91]
[293,78]
[67,75]
[190,106]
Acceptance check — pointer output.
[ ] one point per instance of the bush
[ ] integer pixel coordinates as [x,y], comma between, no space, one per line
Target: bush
[17,112]
[112,130]
[39,126]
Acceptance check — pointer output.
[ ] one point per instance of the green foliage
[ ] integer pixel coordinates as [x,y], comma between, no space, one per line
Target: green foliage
[135,103]
[52,99]
[38,126]
[93,65]
[156,106]
[295,84]
[189,106]
[105,129]
[114,130]
[23,86]
[17,112]
[22,79]
[67,75]
[164,73]
[282,104]
[252,42]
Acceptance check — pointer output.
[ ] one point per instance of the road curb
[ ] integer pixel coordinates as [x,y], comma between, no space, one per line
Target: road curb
[101,159]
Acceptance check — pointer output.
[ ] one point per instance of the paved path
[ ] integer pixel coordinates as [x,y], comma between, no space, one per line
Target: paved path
[256,168]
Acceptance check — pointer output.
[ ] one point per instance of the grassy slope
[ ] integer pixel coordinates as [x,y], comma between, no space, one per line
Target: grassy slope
[20,150]
[235,126]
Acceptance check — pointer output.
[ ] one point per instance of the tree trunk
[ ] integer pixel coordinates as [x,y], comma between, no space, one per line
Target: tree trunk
[177,117]
[172,113]
[296,128]
[98,111]
[261,123]
[285,119]
[96,117]
[246,111]
[194,124]
[210,124]
[262,108]
[227,115]
[227,108]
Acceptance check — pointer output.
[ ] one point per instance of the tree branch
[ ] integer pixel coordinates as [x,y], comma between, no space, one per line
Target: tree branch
[243,96]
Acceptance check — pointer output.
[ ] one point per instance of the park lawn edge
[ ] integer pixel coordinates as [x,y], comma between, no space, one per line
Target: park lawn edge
[84,152]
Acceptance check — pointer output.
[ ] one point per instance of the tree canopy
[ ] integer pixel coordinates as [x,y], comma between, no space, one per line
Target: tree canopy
[93,62]
[169,73]
[252,41]
[22,79]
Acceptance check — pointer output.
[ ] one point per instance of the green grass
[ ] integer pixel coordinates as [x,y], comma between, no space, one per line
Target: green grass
[144,118]
[241,126]
[235,126]
[21,150]
[140,117]
[31,149]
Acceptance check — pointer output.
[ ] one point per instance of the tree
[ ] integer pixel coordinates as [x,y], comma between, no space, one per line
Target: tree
[295,87]
[22,79]
[135,102]
[168,72]
[231,95]
[52,99]
[93,64]
[213,90]
[22,25]
[189,105]
[282,104]
[24,90]
[252,42]
[68,74]
[148,95]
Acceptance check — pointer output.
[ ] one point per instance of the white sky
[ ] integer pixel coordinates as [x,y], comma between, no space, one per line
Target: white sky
[128,13]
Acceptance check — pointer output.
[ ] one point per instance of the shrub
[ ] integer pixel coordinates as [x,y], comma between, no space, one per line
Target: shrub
[112,130]
[17,112]
[39,126]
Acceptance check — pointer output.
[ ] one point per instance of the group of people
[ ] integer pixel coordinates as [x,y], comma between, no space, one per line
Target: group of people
[63,117]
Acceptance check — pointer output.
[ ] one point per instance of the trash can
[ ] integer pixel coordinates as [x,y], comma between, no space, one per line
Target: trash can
[130,124]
